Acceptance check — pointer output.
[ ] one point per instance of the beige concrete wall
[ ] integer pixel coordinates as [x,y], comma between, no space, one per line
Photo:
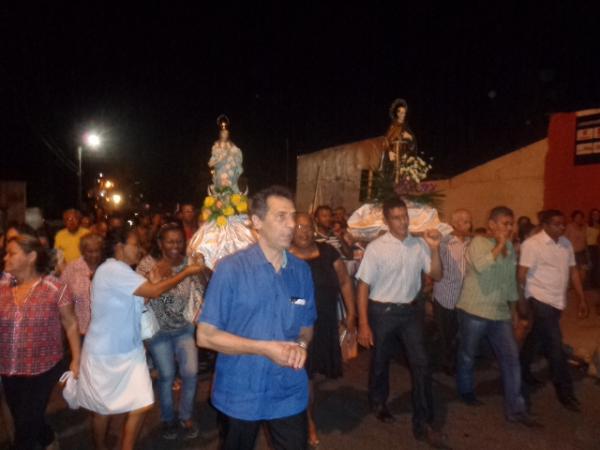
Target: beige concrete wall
[515,180]
[332,176]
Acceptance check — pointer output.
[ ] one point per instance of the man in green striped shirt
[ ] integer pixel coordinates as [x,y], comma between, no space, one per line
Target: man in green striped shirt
[485,309]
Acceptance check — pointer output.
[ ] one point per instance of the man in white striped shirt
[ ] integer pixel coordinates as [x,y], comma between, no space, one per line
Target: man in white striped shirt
[453,249]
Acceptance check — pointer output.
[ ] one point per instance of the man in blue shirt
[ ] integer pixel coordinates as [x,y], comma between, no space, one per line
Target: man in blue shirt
[258,314]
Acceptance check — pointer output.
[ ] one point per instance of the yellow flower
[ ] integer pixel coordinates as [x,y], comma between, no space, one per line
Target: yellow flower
[209,201]
[206,214]
[229,211]
[221,221]
[236,199]
[242,207]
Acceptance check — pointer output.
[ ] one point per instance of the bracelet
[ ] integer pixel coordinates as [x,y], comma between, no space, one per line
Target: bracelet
[302,344]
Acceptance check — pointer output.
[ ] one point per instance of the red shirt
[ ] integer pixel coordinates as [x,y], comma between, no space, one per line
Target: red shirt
[31,335]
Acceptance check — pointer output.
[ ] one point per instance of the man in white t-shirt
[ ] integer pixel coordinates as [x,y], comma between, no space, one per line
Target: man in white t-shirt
[389,283]
[546,265]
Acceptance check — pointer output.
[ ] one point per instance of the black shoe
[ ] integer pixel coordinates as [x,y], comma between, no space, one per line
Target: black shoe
[526,420]
[570,403]
[532,380]
[471,400]
[435,439]
[382,413]
[169,431]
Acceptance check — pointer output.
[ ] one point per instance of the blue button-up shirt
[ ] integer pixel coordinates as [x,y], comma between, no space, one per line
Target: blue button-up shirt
[246,297]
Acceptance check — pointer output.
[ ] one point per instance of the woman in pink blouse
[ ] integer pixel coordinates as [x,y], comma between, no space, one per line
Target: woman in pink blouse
[33,308]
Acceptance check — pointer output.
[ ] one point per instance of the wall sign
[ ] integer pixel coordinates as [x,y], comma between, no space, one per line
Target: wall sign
[587,140]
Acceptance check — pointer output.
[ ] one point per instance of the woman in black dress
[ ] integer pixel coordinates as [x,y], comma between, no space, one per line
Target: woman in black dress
[330,278]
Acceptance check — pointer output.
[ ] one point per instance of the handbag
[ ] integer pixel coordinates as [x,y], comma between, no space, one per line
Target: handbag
[149,323]
[70,390]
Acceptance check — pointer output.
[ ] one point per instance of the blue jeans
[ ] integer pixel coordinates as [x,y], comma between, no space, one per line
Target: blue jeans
[168,348]
[501,337]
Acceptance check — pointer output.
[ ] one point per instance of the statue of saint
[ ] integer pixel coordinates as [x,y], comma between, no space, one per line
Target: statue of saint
[226,159]
[399,139]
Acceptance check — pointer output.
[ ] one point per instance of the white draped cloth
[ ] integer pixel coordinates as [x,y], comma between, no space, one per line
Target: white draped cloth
[366,223]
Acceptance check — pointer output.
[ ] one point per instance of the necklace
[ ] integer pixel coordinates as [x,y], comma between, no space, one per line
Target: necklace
[21,304]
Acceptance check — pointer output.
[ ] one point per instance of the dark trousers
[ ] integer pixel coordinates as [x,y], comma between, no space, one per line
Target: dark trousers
[546,334]
[287,433]
[394,326]
[27,398]
[447,322]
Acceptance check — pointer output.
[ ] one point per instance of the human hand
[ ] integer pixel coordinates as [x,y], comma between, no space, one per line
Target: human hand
[197,258]
[297,356]
[365,335]
[351,323]
[500,236]
[285,354]
[193,269]
[433,238]
[584,309]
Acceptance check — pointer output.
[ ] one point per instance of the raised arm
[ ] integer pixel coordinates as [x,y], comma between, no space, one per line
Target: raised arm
[150,289]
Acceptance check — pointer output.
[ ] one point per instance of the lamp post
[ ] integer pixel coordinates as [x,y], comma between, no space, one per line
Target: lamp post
[91,141]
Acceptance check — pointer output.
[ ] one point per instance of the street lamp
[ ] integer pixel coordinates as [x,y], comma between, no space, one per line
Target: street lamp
[92,141]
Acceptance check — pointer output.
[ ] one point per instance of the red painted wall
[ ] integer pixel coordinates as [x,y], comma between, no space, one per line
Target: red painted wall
[567,186]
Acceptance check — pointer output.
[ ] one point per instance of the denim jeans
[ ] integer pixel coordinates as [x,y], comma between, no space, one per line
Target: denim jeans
[501,337]
[546,334]
[393,325]
[168,348]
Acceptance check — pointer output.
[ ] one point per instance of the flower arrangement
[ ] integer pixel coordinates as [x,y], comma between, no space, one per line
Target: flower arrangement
[413,168]
[222,204]
[412,171]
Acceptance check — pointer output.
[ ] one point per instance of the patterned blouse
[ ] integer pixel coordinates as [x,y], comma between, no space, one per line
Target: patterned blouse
[171,308]
[31,335]
[78,277]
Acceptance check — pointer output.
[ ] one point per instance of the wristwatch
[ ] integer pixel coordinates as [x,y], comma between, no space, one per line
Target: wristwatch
[302,343]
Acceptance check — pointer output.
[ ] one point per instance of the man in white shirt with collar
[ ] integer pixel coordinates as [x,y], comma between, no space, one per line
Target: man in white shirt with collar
[546,265]
[389,282]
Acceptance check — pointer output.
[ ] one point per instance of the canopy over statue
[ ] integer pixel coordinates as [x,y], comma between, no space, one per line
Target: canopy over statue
[226,226]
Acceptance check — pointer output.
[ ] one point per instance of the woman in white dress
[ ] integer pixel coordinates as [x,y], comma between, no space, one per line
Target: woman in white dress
[114,377]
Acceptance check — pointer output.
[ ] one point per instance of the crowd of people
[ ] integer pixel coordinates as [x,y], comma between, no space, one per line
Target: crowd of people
[272,313]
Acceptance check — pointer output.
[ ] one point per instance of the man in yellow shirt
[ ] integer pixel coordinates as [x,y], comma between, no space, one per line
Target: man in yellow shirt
[67,239]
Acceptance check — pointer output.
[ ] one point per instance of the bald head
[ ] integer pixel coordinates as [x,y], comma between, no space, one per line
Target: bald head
[461,222]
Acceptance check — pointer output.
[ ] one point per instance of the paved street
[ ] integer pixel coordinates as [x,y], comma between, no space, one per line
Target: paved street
[345,422]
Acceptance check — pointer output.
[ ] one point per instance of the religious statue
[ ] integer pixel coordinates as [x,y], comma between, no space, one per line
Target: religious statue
[225,225]
[398,140]
[226,159]
[402,173]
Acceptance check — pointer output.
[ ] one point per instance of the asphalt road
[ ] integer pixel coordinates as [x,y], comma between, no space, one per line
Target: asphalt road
[346,424]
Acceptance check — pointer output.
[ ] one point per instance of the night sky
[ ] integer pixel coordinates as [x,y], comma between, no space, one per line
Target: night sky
[479,82]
